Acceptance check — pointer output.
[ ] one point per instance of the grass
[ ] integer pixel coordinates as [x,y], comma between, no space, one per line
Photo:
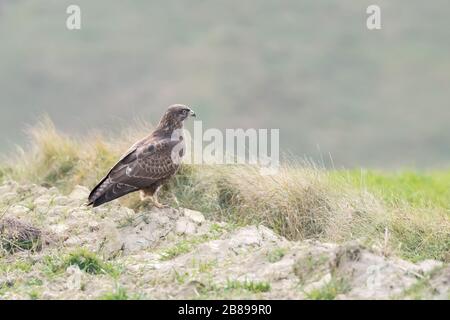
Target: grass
[407,211]
[23,266]
[420,189]
[204,266]
[89,262]
[276,255]
[119,294]
[180,248]
[85,260]
[309,265]
[329,291]
[252,286]
[34,294]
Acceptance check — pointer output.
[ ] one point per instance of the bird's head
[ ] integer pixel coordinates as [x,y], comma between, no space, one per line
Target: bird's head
[174,117]
[180,112]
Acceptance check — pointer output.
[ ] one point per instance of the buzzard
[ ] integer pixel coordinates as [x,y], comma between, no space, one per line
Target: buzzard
[148,164]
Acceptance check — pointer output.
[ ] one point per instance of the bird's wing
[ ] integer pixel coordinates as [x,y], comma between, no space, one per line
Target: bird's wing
[143,165]
[147,164]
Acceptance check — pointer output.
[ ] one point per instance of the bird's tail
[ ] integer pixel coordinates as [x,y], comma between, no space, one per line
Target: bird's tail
[107,191]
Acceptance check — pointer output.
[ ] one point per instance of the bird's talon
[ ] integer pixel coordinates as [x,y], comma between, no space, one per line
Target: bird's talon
[160,205]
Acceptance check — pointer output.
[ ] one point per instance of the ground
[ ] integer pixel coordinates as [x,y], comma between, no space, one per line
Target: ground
[54,247]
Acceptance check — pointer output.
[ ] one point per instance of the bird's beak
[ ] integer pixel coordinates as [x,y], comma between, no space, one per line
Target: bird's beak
[192,113]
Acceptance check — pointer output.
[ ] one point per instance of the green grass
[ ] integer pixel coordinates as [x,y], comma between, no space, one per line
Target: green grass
[180,248]
[119,294]
[35,282]
[52,265]
[251,286]
[34,294]
[420,189]
[204,266]
[89,262]
[181,277]
[24,266]
[276,255]
[329,291]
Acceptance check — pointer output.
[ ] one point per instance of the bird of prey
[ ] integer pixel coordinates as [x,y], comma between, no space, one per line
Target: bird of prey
[148,164]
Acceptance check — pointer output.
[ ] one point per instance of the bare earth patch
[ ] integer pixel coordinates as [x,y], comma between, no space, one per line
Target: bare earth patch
[53,247]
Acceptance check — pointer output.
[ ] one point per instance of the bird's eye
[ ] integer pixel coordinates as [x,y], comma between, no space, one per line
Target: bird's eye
[185,111]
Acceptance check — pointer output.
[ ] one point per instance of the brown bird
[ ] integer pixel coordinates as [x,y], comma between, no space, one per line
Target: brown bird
[148,164]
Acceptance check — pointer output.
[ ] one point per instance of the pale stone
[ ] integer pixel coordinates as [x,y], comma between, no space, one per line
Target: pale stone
[318,284]
[184,226]
[43,201]
[194,216]
[4,189]
[75,277]
[8,196]
[93,226]
[113,243]
[248,236]
[19,210]
[73,241]
[428,265]
[79,193]
[58,228]
[57,210]
[61,200]
[53,191]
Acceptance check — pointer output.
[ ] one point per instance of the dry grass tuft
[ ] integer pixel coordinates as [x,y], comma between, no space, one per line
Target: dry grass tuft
[299,202]
[19,236]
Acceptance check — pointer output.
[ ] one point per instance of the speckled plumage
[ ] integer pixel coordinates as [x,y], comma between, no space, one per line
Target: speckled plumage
[147,164]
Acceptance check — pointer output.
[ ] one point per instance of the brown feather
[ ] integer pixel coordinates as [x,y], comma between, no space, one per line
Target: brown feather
[146,165]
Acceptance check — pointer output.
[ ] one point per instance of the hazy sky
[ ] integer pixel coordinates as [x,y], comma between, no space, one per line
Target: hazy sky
[311,68]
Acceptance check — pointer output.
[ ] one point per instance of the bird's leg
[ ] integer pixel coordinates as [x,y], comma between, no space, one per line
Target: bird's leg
[156,203]
[145,199]
[151,197]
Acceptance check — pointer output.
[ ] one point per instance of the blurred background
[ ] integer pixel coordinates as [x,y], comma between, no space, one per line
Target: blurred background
[311,68]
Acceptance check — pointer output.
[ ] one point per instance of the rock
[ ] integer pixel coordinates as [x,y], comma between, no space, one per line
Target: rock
[326,279]
[427,266]
[58,229]
[440,284]
[185,226]
[43,201]
[374,277]
[79,193]
[93,226]
[4,189]
[56,211]
[8,196]
[147,229]
[194,216]
[111,240]
[249,236]
[75,276]
[73,241]
[78,213]
[18,210]
[9,186]
[53,191]
[61,200]
[39,190]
